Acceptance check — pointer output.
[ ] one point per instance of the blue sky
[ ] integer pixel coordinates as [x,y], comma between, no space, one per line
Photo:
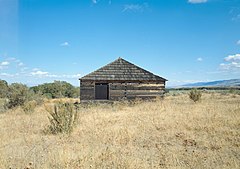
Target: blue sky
[182,40]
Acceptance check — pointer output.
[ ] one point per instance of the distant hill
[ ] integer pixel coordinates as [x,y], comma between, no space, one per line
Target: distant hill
[219,83]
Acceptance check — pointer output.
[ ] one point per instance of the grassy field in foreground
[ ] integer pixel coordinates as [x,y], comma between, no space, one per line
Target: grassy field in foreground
[169,133]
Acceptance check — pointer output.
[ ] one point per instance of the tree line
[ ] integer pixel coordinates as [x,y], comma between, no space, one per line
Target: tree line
[17,94]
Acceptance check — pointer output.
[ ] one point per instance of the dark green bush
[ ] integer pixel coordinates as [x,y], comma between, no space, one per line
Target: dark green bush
[57,89]
[195,95]
[18,95]
[62,118]
[3,89]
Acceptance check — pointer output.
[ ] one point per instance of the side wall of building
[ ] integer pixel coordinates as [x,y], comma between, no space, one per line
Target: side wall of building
[118,91]
[87,91]
[121,90]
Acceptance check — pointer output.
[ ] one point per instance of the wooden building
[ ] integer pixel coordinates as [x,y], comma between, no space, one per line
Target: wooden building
[121,80]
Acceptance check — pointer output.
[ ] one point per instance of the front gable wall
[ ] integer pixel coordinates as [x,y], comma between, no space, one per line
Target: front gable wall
[121,91]
[124,80]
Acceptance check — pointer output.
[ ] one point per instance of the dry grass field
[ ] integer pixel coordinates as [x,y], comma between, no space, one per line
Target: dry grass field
[169,133]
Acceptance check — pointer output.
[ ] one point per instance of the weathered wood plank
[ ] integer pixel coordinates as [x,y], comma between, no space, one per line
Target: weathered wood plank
[136,86]
[92,89]
[112,92]
[87,83]
[86,91]
[141,97]
[90,84]
[87,97]
[127,90]
[87,94]
[117,97]
[87,88]
[144,94]
[146,91]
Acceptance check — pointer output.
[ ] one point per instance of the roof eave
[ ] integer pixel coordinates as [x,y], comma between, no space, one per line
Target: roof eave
[125,80]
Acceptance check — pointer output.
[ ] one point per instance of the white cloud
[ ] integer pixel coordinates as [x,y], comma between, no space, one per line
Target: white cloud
[65,44]
[235,14]
[235,57]
[15,68]
[238,42]
[97,1]
[197,1]
[11,63]
[8,75]
[20,64]
[222,64]
[230,66]
[39,73]
[52,76]
[232,63]
[35,69]
[5,63]
[236,17]
[11,59]
[75,76]
[3,74]
[135,7]
[68,76]
[94,1]
[23,69]
[199,59]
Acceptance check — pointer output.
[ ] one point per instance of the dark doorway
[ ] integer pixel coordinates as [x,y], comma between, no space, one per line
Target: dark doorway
[101,91]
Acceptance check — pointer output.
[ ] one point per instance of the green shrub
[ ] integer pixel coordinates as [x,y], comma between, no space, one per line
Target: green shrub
[3,89]
[62,118]
[18,95]
[29,107]
[38,98]
[57,89]
[195,95]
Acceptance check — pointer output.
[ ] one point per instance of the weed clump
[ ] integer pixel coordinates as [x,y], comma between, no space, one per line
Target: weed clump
[29,107]
[62,118]
[18,94]
[3,105]
[195,95]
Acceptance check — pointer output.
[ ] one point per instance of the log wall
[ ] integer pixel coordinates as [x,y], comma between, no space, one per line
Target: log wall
[120,91]
[87,91]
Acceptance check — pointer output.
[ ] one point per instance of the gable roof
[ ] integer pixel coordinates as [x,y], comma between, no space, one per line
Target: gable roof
[122,70]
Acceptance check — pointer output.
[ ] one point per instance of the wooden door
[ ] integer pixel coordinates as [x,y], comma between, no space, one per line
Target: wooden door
[101,91]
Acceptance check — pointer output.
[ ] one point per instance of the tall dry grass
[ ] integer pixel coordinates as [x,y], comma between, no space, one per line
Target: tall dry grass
[169,133]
